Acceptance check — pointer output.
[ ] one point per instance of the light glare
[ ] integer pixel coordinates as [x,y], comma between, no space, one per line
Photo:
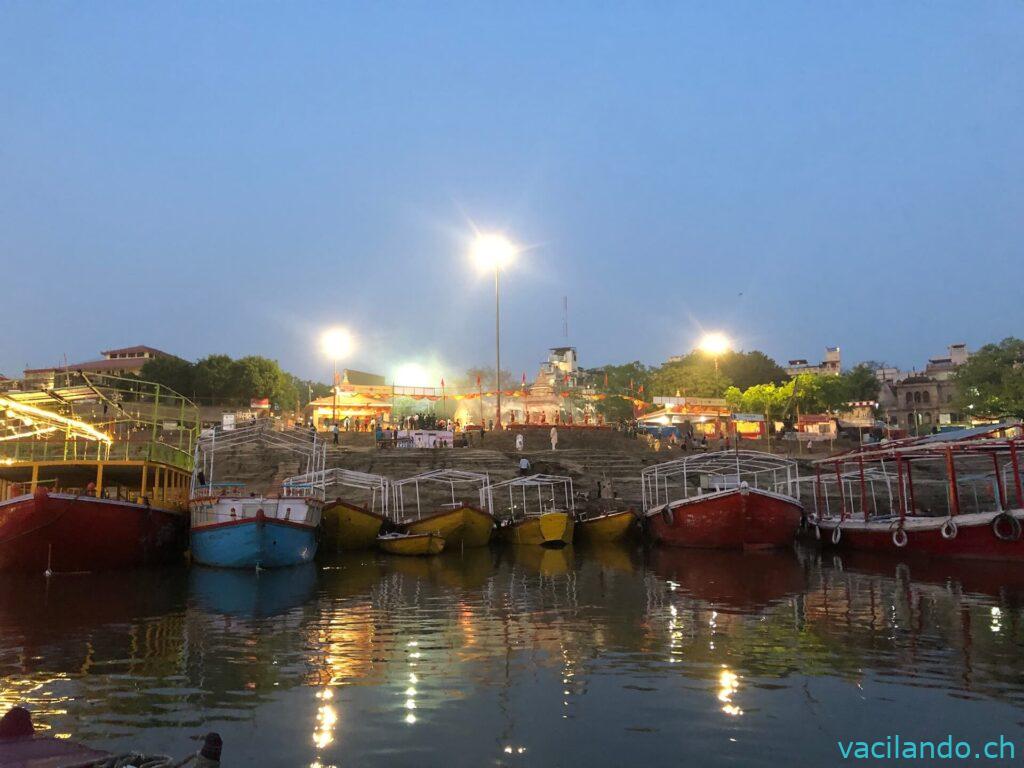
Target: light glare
[337,343]
[493,251]
[714,344]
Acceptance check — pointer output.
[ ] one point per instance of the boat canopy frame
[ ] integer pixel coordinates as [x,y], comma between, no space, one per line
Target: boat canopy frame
[998,446]
[720,470]
[548,487]
[450,476]
[324,479]
[212,441]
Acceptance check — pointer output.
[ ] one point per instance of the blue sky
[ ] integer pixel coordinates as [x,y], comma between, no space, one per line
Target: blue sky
[229,177]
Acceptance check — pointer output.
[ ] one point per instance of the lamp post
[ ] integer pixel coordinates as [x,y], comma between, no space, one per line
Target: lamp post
[336,343]
[715,344]
[494,251]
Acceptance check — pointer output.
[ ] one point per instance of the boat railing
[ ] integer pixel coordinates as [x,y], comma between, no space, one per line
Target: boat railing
[716,472]
[476,482]
[530,496]
[370,486]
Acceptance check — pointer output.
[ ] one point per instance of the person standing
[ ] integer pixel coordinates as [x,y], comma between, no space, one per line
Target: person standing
[554,439]
[524,466]
[334,431]
[520,442]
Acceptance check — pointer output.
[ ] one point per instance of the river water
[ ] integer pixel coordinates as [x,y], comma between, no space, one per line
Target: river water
[521,656]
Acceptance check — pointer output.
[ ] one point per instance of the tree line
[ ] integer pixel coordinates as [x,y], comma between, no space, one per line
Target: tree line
[222,380]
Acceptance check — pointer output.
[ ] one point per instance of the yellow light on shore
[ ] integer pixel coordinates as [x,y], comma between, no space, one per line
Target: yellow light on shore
[492,251]
[714,344]
[337,343]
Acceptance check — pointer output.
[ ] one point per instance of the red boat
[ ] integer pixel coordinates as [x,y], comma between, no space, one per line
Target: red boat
[723,500]
[87,484]
[62,532]
[945,495]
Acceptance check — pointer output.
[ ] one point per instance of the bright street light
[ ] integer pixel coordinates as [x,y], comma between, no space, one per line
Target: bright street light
[714,344]
[494,252]
[336,343]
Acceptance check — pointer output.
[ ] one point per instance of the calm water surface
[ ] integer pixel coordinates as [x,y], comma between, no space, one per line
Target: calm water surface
[609,656]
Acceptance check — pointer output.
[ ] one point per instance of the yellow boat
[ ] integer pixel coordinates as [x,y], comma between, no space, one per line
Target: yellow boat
[462,526]
[447,523]
[411,543]
[611,526]
[550,529]
[348,526]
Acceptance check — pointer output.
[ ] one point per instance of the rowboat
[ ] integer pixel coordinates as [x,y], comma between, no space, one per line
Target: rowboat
[352,521]
[414,544]
[235,529]
[459,521]
[540,510]
[944,495]
[723,500]
[550,529]
[605,526]
[80,495]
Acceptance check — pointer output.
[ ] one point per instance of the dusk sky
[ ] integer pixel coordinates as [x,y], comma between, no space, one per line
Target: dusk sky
[236,177]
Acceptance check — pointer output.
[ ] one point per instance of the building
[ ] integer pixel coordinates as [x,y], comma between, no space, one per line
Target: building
[925,400]
[832,365]
[360,397]
[115,362]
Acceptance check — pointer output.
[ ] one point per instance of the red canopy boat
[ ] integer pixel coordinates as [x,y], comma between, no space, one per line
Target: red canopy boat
[726,500]
[954,494]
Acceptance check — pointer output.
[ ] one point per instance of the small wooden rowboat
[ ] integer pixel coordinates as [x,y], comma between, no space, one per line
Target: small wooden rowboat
[609,526]
[413,544]
[550,529]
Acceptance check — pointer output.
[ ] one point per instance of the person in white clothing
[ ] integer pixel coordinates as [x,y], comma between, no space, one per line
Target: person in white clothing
[520,442]
[554,439]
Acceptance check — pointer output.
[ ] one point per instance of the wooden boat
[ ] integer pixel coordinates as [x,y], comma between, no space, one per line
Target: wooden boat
[231,529]
[349,526]
[944,495]
[550,529]
[414,544]
[605,526]
[97,498]
[459,522]
[540,510]
[352,521]
[742,500]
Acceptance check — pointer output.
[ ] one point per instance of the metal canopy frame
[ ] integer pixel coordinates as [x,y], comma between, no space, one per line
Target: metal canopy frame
[548,488]
[451,477]
[314,450]
[721,470]
[321,480]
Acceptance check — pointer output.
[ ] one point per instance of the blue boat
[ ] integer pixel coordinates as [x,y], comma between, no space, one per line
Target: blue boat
[257,541]
[260,530]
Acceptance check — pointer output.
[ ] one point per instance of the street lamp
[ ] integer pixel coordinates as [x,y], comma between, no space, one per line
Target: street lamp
[715,344]
[336,343]
[494,252]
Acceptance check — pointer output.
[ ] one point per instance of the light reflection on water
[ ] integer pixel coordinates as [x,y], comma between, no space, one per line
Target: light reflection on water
[516,656]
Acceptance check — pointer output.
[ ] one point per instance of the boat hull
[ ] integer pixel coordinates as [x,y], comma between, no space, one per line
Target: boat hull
[251,542]
[613,526]
[742,518]
[477,528]
[552,529]
[447,523]
[62,533]
[414,545]
[974,538]
[348,526]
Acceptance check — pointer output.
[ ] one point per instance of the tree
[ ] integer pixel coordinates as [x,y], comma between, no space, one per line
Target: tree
[256,376]
[619,384]
[991,383]
[214,379]
[170,372]
[861,383]
[745,369]
[690,377]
